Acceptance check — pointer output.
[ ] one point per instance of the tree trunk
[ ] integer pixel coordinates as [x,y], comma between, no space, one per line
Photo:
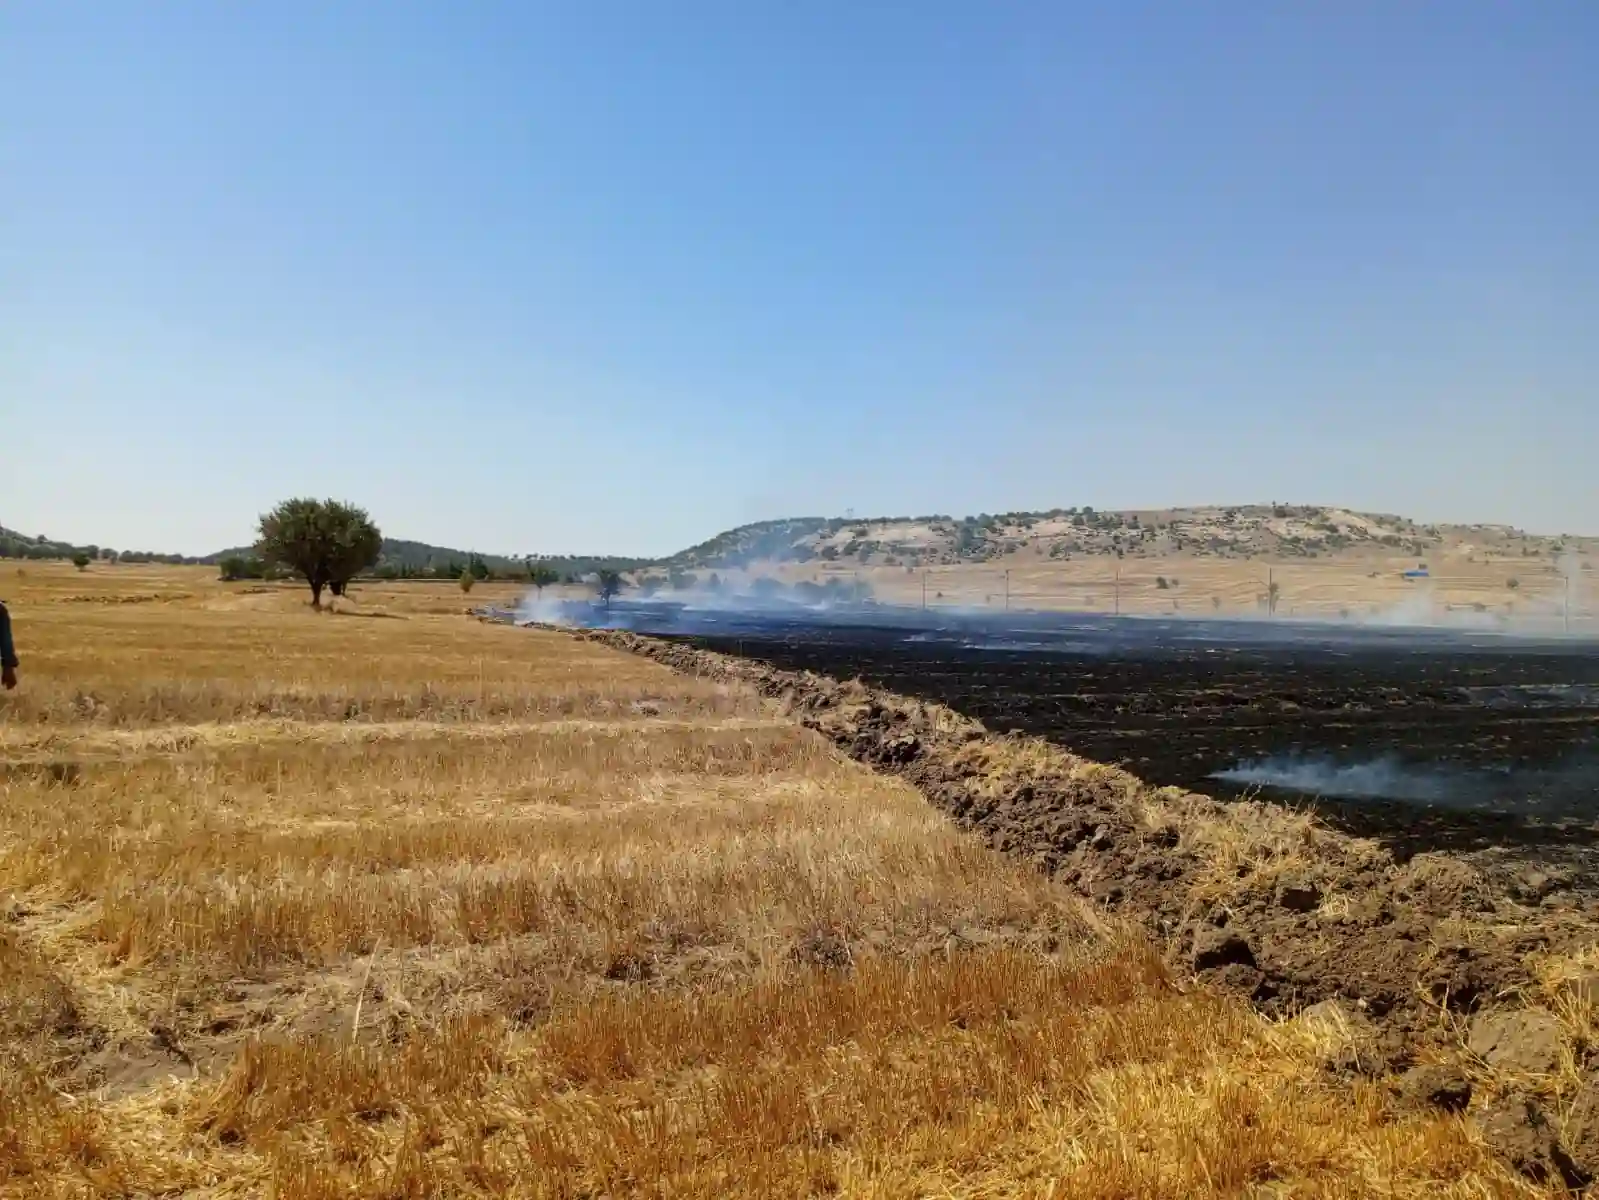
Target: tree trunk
[337,587]
[316,593]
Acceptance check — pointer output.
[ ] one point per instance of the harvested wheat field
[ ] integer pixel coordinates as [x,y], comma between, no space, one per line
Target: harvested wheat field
[388,902]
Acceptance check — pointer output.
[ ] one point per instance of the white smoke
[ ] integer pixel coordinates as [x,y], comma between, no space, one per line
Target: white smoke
[1416,611]
[1567,788]
[544,610]
[1377,779]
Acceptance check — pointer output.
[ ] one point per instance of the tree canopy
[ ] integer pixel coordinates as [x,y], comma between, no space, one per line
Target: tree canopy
[540,575]
[326,541]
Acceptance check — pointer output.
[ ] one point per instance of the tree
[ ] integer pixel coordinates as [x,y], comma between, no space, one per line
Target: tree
[541,576]
[476,565]
[81,560]
[467,580]
[325,541]
[607,585]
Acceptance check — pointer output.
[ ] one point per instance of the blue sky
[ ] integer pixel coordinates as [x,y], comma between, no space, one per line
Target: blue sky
[613,277]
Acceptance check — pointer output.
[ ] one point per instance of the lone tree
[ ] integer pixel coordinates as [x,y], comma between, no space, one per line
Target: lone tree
[81,559]
[607,585]
[541,576]
[326,541]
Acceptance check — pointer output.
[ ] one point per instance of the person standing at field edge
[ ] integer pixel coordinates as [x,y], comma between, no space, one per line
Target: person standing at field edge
[8,651]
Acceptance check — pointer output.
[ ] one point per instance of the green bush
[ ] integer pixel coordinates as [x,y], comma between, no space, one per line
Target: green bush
[234,567]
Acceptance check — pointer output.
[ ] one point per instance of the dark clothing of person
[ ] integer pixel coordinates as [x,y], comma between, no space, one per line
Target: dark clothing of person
[8,650]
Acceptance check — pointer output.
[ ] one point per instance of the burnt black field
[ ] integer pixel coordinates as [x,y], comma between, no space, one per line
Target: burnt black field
[1434,737]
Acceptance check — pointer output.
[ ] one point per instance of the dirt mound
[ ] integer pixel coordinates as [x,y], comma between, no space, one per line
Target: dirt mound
[1249,897]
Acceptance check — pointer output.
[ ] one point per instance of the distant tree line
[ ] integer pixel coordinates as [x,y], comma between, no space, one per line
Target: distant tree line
[19,545]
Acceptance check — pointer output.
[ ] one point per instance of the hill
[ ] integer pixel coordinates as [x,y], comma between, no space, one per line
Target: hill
[14,544]
[1263,531]
[402,558]
[1270,532]
[399,557]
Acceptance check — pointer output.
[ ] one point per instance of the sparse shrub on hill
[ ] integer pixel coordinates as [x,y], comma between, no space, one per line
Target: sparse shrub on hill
[467,581]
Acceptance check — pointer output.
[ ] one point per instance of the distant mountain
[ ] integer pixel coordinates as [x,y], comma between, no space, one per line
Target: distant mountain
[399,552]
[421,558]
[14,544]
[398,556]
[1274,531]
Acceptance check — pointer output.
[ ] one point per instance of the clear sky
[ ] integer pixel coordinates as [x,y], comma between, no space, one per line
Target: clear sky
[611,277]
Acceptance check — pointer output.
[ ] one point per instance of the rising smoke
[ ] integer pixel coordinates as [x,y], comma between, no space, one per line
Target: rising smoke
[1570,788]
[764,598]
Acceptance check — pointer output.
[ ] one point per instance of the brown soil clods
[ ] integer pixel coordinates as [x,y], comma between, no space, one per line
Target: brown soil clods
[1520,1130]
[1526,1042]
[1436,1085]
[1253,898]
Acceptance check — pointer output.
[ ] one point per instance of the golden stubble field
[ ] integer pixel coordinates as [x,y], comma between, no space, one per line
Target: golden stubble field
[387,902]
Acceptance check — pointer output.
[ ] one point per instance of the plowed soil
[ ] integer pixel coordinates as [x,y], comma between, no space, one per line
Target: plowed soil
[1503,745]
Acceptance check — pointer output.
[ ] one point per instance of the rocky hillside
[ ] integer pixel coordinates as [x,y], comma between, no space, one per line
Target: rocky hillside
[1244,531]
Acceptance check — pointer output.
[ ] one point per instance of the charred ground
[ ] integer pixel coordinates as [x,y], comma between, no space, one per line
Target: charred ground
[1499,736]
